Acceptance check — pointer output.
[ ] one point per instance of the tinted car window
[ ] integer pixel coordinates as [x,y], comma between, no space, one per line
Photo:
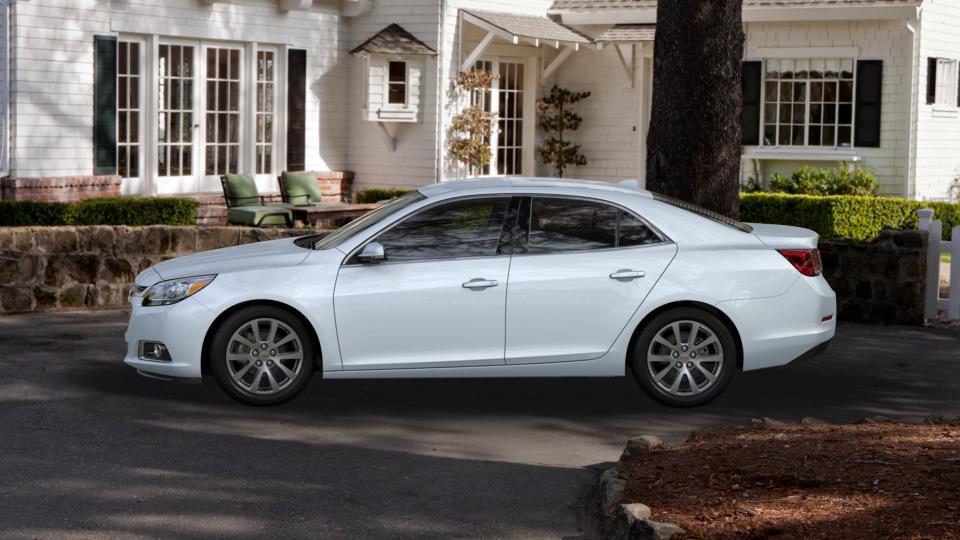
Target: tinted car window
[571,225]
[466,228]
[634,232]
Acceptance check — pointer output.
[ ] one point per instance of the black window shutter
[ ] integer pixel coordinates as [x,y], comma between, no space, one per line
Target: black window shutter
[105,105]
[750,121]
[931,81]
[296,109]
[866,129]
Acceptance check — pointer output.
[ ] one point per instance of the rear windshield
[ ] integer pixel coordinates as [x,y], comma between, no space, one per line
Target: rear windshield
[709,214]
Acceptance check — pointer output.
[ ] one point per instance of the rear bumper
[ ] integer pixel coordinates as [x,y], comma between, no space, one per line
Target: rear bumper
[776,331]
[816,351]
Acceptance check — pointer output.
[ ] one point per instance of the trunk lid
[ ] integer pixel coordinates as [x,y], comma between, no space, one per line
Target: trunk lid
[785,236]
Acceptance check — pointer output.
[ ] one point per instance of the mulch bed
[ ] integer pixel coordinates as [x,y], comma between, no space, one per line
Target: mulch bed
[870,480]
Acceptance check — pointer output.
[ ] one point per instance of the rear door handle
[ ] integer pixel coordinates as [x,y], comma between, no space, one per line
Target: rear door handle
[480,283]
[627,274]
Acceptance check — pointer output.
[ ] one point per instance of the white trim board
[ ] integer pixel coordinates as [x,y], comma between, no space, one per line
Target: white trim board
[141,25]
[805,52]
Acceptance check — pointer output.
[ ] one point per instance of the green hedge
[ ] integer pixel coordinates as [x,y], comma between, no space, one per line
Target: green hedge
[374,195]
[105,211]
[843,216]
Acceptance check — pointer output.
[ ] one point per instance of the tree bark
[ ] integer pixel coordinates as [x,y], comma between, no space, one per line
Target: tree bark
[693,146]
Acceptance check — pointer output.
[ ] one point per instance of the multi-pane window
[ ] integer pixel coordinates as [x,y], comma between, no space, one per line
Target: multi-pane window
[175,103]
[222,111]
[266,90]
[808,102]
[397,83]
[946,90]
[510,119]
[128,109]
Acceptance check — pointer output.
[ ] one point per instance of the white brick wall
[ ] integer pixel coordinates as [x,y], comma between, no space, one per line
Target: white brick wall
[414,162]
[938,128]
[874,40]
[52,83]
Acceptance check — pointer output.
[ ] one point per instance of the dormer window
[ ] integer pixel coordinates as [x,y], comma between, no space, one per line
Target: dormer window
[397,91]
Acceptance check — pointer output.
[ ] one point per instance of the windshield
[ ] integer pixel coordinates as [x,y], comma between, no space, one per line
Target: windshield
[362,223]
[709,214]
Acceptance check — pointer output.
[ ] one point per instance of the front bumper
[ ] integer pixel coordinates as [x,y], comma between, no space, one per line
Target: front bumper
[181,327]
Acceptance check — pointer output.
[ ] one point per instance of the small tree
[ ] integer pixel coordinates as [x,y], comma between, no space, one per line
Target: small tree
[555,119]
[469,133]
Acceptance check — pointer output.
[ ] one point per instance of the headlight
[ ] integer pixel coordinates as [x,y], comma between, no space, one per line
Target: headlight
[175,290]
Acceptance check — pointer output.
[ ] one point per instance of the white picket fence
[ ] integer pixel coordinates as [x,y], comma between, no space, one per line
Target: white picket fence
[933,301]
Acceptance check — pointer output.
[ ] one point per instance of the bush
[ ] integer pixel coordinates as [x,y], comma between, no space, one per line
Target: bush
[858,218]
[374,195]
[106,211]
[813,181]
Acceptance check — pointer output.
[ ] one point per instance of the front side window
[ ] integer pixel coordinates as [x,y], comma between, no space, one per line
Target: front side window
[562,225]
[397,84]
[465,228]
[808,102]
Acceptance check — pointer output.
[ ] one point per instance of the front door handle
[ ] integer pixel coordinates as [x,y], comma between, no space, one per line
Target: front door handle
[480,284]
[627,274]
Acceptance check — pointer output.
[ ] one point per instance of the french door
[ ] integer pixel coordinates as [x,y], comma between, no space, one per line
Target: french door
[510,139]
[216,109]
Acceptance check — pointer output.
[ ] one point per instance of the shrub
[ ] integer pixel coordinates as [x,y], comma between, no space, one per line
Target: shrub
[813,181]
[374,195]
[858,218]
[106,211]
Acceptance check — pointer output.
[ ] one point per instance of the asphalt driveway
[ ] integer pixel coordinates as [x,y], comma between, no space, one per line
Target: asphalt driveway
[90,449]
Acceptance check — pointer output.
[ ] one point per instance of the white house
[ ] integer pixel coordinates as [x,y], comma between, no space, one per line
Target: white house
[163,97]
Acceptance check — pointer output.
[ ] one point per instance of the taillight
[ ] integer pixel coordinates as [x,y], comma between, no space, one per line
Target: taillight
[807,261]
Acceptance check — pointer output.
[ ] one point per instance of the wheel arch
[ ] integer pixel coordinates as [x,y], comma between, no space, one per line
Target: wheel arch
[713,310]
[208,338]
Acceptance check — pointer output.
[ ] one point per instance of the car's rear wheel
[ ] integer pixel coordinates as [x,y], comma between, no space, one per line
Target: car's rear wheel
[262,355]
[684,357]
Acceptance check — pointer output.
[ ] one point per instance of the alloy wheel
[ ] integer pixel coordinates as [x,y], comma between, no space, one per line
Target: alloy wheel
[685,358]
[264,356]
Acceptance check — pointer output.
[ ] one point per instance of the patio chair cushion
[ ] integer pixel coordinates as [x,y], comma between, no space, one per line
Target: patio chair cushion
[259,215]
[301,188]
[241,190]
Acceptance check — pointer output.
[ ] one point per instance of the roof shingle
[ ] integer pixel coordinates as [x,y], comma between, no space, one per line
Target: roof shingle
[393,39]
[530,26]
[604,5]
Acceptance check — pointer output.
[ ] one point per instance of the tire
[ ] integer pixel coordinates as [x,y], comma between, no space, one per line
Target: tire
[703,372]
[262,375]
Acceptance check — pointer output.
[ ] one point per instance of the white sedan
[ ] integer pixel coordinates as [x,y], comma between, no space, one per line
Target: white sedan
[498,277]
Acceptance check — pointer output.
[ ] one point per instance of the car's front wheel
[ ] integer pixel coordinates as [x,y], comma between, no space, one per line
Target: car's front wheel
[262,355]
[684,357]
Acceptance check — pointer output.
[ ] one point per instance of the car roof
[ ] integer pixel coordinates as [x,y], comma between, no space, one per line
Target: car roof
[494,183]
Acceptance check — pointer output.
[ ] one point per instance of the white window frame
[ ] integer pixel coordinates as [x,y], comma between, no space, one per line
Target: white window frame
[945,96]
[527,132]
[806,146]
[406,84]
[137,185]
[149,182]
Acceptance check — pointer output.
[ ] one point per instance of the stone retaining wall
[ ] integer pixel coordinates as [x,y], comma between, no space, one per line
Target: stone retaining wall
[44,268]
[881,281]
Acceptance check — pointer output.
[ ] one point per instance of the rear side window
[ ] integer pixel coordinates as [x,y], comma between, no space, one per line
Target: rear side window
[465,228]
[559,225]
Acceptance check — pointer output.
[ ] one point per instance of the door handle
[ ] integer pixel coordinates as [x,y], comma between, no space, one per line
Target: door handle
[627,274]
[480,284]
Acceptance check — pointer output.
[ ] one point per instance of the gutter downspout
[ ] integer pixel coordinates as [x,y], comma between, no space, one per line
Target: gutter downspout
[5,113]
[440,84]
[911,191]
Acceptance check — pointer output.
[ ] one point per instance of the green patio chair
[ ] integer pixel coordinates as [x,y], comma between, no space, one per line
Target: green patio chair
[245,205]
[300,188]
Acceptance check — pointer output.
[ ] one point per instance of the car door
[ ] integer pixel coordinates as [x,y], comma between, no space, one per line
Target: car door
[438,299]
[577,278]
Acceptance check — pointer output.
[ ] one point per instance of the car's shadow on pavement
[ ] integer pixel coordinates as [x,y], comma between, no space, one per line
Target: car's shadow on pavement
[92,449]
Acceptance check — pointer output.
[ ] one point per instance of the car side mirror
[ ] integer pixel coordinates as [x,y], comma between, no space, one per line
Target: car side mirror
[372,253]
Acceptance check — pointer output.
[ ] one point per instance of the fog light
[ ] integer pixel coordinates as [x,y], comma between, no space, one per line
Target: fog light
[154,352]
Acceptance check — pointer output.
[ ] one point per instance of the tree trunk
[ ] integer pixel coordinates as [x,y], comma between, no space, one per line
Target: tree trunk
[693,146]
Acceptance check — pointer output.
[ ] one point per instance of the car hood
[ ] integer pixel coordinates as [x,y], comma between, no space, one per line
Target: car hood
[269,254]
